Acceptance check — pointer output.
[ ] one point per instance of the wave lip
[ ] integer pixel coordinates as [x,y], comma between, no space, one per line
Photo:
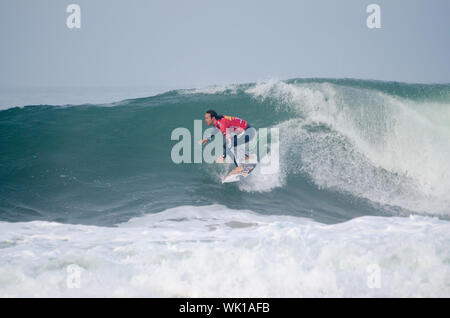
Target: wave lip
[388,149]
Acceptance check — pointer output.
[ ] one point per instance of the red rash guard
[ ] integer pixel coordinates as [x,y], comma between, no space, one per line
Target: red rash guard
[229,124]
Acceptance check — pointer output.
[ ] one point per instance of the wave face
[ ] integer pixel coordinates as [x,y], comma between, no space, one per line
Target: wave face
[348,148]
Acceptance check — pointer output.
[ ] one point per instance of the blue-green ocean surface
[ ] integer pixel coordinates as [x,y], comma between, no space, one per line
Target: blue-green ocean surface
[347,148]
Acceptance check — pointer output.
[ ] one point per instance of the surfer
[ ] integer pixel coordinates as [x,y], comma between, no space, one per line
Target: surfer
[243,134]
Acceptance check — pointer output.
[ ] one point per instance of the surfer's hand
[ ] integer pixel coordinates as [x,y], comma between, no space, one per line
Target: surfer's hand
[219,160]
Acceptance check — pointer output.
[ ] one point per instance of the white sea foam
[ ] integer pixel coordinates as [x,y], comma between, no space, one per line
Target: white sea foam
[213,251]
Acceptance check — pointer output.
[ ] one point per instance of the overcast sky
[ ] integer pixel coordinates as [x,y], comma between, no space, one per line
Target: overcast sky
[192,43]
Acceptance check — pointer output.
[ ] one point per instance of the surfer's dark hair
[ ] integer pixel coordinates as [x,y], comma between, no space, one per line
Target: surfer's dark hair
[213,113]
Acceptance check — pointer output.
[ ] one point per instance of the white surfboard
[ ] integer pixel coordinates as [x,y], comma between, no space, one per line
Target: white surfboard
[233,176]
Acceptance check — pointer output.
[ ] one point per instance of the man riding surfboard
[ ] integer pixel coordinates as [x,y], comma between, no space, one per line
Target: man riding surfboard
[229,125]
